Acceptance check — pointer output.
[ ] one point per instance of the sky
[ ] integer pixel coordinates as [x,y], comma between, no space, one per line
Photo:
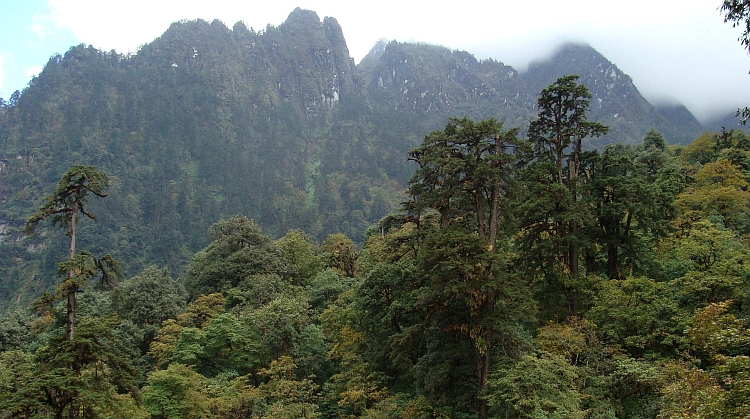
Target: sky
[676,51]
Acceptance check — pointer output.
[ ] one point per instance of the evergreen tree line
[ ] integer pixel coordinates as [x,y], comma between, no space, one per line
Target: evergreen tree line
[522,278]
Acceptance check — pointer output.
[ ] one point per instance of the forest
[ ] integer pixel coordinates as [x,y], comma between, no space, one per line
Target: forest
[522,276]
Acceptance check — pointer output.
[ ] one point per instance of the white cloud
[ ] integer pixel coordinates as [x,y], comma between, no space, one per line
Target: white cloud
[40,25]
[33,71]
[124,26]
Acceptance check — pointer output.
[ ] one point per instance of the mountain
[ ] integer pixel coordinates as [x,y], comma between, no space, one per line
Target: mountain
[616,101]
[206,122]
[201,124]
[683,128]
[433,83]
[729,121]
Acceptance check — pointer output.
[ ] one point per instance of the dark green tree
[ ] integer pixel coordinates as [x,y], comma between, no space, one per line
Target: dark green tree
[738,12]
[465,174]
[144,302]
[63,206]
[627,202]
[654,138]
[239,252]
[56,390]
[552,211]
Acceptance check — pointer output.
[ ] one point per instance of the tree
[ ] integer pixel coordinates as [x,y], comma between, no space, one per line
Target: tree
[288,398]
[54,388]
[175,393]
[720,188]
[63,206]
[69,198]
[738,12]
[543,386]
[721,390]
[238,251]
[147,300]
[465,172]
[552,211]
[710,264]
[339,252]
[300,254]
[655,139]
[627,203]
[465,169]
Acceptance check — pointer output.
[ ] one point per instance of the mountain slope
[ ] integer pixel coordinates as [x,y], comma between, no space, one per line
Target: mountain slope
[683,128]
[434,83]
[616,101]
[206,122]
[203,123]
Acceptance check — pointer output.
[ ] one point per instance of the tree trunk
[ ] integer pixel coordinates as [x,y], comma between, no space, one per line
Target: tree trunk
[484,357]
[495,198]
[612,261]
[72,288]
[71,310]
[478,208]
[484,360]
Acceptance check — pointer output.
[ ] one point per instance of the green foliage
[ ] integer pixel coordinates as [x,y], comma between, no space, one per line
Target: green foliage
[562,121]
[721,389]
[340,253]
[709,263]
[68,378]
[537,386]
[300,254]
[357,385]
[15,330]
[146,301]
[70,197]
[325,288]
[224,345]
[288,398]
[640,315]
[284,329]
[175,393]
[654,139]
[552,213]
[720,188]
[238,251]
[628,192]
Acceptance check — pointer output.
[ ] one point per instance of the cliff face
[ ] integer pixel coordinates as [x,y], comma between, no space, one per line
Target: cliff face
[435,83]
[303,62]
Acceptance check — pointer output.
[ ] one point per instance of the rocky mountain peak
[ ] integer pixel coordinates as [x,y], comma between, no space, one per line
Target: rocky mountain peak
[616,101]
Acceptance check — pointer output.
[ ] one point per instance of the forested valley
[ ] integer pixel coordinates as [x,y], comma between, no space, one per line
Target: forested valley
[233,225]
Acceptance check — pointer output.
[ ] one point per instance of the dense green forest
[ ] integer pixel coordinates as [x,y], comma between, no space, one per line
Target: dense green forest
[521,277]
